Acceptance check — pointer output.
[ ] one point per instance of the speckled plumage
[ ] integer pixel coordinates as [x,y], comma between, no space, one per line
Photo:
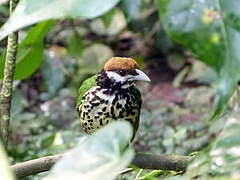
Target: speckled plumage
[100,106]
[108,97]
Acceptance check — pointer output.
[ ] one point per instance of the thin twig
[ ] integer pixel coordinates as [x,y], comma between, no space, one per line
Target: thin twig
[9,69]
[141,160]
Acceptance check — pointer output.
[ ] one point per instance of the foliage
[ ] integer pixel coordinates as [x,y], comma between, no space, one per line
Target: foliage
[67,51]
[222,159]
[104,154]
[30,52]
[210,30]
[30,12]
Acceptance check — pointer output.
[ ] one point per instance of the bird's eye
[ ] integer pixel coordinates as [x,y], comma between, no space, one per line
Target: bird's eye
[121,72]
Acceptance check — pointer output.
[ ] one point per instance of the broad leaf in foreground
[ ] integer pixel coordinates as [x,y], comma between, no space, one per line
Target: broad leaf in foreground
[30,12]
[101,156]
[30,51]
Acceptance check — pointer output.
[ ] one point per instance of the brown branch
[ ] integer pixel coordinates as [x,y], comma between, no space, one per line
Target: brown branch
[161,162]
[141,160]
[6,91]
[35,166]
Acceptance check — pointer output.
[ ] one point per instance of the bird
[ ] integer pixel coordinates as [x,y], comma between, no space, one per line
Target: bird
[111,95]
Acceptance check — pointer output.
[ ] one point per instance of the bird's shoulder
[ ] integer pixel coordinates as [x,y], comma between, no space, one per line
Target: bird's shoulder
[85,86]
[138,98]
[137,95]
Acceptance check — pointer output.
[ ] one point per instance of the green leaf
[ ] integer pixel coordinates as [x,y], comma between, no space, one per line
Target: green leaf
[103,154]
[48,141]
[211,30]
[5,172]
[132,8]
[225,87]
[30,51]
[108,17]
[29,12]
[75,44]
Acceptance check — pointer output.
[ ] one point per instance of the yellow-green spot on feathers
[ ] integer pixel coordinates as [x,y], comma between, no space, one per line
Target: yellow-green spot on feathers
[86,85]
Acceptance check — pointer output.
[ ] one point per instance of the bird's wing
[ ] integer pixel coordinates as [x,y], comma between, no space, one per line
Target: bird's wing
[85,86]
[137,95]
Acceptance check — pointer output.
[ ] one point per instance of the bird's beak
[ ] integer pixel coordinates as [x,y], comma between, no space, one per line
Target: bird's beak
[141,76]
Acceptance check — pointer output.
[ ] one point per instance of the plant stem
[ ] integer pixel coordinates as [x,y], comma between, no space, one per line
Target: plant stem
[9,69]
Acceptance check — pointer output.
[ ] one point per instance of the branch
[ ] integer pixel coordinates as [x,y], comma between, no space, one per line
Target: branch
[35,166]
[9,69]
[141,160]
[161,162]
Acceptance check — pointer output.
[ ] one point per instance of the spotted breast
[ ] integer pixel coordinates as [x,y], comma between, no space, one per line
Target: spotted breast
[100,106]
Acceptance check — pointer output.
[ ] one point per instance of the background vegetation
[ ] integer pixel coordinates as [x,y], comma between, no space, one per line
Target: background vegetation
[190,50]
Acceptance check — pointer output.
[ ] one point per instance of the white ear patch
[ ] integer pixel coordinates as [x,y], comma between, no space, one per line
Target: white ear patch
[115,76]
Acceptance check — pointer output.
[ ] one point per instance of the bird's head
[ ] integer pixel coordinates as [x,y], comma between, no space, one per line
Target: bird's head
[122,72]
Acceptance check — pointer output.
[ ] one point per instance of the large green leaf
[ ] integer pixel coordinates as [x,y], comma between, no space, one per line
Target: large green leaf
[30,51]
[5,172]
[29,12]
[210,28]
[101,156]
